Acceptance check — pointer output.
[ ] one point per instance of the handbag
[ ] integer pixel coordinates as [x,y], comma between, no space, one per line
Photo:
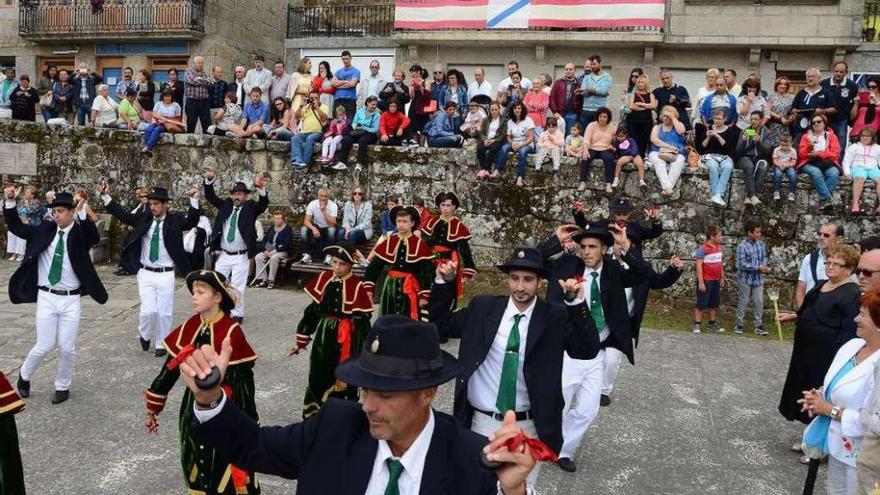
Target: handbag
[431,108]
[46,101]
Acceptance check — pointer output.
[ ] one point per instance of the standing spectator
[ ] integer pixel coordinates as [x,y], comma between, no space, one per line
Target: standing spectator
[537,103]
[845,92]
[420,102]
[721,98]
[512,68]
[218,92]
[547,79]
[30,209]
[7,86]
[513,93]
[702,93]
[229,116]
[364,132]
[479,86]
[818,153]
[324,82]
[520,140]
[862,162]
[455,92]
[627,151]
[336,130]
[357,219]
[301,83]
[784,163]
[442,130]
[811,270]
[84,90]
[385,222]
[574,142]
[753,149]
[312,116]
[595,87]
[550,143]
[667,149]
[146,93]
[277,245]
[166,118]
[259,77]
[597,146]
[129,116]
[751,266]
[44,89]
[127,81]
[319,226]
[254,114]
[812,100]
[866,110]
[751,101]
[425,214]
[438,85]
[708,260]
[371,85]
[23,100]
[345,81]
[565,100]
[395,89]
[280,84]
[15,245]
[780,106]
[280,116]
[670,93]
[493,135]
[237,86]
[716,145]
[730,83]
[626,92]
[393,126]
[470,127]
[640,119]
[104,108]
[198,85]
[175,85]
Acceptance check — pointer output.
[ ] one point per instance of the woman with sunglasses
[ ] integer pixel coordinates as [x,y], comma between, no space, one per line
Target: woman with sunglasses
[357,219]
[818,157]
[866,111]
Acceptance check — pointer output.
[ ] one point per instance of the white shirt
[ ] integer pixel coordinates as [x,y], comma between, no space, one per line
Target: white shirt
[413,461]
[519,131]
[587,283]
[164,259]
[806,275]
[373,85]
[314,209]
[483,385]
[484,88]
[238,243]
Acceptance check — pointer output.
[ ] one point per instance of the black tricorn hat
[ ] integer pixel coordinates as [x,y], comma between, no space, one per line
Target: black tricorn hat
[622,205]
[412,210]
[528,259]
[451,196]
[63,199]
[240,187]
[399,354]
[342,250]
[218,282]
[159,194]
[596,231]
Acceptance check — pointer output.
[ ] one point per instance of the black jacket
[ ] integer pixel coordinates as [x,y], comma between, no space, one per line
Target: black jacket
[636,232]
[83,236]
[91,83]
[281,242]
[552,329]
[333,452]
[23,103]
[248,214]
[172,233]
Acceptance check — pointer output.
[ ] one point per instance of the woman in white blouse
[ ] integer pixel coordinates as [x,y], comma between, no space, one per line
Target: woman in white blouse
[104,108]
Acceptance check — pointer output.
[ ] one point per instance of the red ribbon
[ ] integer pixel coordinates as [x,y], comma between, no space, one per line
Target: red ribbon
[181,357]
[540,451]
[343,337]
[454,257]
[411,289]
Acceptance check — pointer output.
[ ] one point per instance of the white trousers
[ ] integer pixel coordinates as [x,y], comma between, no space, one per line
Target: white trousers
[842,478]
[15,244]
[611,368]
[57,326]
[583,381]
[486,425]
[667,173]
[235,268]
[156,291]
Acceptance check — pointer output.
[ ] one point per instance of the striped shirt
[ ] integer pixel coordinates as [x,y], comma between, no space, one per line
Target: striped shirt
[750,256]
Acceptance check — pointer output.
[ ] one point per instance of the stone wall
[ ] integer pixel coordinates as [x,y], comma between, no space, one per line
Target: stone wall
[499,214]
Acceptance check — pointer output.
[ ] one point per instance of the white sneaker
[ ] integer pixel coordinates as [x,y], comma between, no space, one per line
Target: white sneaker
[307,258]
[776,196]
[756,201]
[231,134]
[717,200]
[537,168]
[358,167]
[616,182]
[790,196]
[328,259]
[582,186]
[608,188]
[339,166]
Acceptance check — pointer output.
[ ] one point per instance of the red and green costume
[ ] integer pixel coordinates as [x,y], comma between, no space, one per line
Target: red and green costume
[11,472]
[449,241]
[410,265]
[337,320]
[204,471]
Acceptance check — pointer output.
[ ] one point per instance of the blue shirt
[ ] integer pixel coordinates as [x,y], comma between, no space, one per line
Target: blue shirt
[347,74]
[253,113]
[602,84]
[670,137]
[368,123]
[218,92]
[750,255]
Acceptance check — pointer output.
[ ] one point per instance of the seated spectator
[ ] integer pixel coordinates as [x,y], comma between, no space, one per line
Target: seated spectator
[720,99]
[753,149]
[336,130]
[364,132]
[319,227]
[667,149]
[716,145]
[166,118]
[104,108]
[784,163]
[470,128]
[818,153]
[866,111]
[574,142]
[311,115]
[456,91]
[424,212]
[255,114]
[492,136]
[537,102]
[129,117]
[751,101]
[23,100]
[393,126]
[862,163]
[442,130]
[626,150]
[520,140]
[550,143]
[228,116]
[357,219]
[396,89]
[385,223]
[277,244]
[279,121]
[597,146]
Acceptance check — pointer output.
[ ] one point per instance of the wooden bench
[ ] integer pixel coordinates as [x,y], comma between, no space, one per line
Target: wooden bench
[303,271]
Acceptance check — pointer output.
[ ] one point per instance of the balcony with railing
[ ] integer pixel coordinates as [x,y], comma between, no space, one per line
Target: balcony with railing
[109,20]
[871,21]
[335,21]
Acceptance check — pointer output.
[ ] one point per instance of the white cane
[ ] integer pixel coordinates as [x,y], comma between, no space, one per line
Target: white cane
[257,276]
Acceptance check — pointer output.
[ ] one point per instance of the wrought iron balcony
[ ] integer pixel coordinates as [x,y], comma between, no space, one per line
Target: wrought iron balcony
[107,20]
[332,21]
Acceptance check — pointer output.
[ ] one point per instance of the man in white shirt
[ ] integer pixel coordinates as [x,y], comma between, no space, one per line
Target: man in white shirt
[512,67]
[259,77]
[319,227]
[479,86]
[371,85]
[813,265]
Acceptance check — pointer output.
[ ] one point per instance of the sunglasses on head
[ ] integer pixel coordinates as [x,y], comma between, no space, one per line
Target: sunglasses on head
[865,272]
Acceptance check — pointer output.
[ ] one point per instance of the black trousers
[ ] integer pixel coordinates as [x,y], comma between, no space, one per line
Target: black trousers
[198,110]
[486,155]
[608,160]
[363,140]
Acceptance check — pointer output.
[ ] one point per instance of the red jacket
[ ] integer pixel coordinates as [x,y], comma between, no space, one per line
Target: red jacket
[557,98]
[831,152]
[389,123]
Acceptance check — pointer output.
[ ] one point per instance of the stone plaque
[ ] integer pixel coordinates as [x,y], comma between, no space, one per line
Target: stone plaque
[18,158]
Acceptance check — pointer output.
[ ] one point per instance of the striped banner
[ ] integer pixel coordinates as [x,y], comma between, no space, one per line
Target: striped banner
[525,14]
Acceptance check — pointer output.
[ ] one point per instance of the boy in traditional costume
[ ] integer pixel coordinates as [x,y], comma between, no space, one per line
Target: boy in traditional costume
[448,237]
[11,473]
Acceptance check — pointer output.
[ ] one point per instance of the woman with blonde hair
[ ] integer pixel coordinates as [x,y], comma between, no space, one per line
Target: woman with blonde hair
[780,105]
[300,83]
[712,76]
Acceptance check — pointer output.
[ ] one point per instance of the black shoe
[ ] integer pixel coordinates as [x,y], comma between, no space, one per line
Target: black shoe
[238,319]
[145,344]
[604,400]
[121,272]
[24,387]
[566,465]
[60,396]
[161,352]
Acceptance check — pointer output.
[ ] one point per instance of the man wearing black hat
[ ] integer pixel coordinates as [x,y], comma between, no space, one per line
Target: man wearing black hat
[234,235]
[56,270]
[410,264]
[449,236]
[511,349]
[339,319]
[157,243]
[392,443]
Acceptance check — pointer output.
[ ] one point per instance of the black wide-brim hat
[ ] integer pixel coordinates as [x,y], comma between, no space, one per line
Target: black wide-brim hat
[399,354]
[218,282]
[240,187]
[343,250]
[62,199]
[158,194]
[596,231]
[412,210]
[451,196]
[622,205]
[528,259]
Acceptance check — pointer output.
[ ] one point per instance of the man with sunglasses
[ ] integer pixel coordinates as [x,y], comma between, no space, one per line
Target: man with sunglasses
[868,271]
[812,266]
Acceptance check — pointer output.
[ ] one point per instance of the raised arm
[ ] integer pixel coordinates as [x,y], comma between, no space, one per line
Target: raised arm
[210,195]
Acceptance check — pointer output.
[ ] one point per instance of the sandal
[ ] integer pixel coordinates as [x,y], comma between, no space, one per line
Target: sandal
[877,211]
[855,210]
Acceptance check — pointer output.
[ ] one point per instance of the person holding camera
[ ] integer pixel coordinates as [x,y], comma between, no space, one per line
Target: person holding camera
[753,149]
[312,116]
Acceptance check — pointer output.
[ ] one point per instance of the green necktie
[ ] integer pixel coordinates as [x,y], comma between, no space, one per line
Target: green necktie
[506,400]
[395,468]
[154,243]
[233,224]
[596,303]
[57,260]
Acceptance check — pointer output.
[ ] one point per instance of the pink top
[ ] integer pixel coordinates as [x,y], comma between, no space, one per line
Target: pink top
[537,105]
[597,138]
[549,140]
[864,101]
[337,127]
